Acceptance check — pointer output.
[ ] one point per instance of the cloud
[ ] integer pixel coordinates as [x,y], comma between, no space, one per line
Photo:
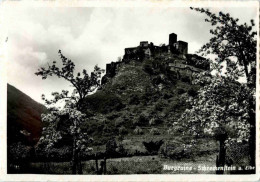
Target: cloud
[91,36]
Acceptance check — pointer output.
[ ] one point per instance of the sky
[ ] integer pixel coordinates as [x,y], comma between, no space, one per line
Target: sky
[94,36]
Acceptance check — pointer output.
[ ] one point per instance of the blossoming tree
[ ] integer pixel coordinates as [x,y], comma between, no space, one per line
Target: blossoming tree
[219,110]
[234,44]
[67,122]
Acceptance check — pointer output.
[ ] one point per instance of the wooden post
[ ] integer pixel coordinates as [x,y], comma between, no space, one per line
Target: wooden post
[79,164]
[96,163]
[73,162]
[101,167]
[105,165]
[222,156]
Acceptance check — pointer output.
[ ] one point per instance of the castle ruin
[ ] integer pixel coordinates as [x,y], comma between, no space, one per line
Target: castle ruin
[188,63]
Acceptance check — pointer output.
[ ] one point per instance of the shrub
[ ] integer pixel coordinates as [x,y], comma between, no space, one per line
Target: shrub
[186,79]
[155,131]
[106,129]
[192,92]
[147,67]
[157,80]
[60,152]
[111,147]
[155,121]
[173,75]
[103,102]
[112,115]
[123,130]
[18,151]
[167,95]
[180,91]
[134,100]
[178,151]
[142,120]
[153,146]
[152,122]
[236,154]
[121,150]
[119,121]
[138,131]
[159,106]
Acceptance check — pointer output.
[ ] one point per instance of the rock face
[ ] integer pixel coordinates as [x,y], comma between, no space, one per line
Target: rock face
[23,117]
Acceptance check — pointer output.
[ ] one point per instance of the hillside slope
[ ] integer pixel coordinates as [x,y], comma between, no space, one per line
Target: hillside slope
[23,117]
[141,101]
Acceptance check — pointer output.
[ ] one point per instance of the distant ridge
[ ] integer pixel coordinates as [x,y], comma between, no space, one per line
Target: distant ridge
[23,117]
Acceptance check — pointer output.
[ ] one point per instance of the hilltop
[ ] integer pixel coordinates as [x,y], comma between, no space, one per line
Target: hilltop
[139,98]
[142,95]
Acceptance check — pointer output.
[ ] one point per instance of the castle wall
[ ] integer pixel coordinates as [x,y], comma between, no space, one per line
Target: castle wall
[190,64]
[112,68]
[183,47]
[108,68]
[182,68]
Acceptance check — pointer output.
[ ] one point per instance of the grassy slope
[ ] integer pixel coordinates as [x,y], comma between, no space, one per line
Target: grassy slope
[140,95]
[142,165]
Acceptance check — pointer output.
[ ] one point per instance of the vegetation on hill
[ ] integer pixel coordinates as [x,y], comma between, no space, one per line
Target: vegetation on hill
[24,127]
[146,108]
[144,98]
[23,117]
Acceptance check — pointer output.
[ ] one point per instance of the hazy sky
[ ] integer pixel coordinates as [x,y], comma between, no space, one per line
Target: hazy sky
[92,36]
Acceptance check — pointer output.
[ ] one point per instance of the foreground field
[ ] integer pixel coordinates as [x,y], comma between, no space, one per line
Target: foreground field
[130,165]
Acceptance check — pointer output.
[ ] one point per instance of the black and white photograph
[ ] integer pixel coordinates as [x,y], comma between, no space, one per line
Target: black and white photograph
[132,90]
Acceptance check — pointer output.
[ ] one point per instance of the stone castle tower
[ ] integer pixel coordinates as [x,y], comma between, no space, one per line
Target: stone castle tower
[177,47]
[172,39]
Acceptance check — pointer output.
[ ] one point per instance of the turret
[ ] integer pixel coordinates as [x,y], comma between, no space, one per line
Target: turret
[144,44]
[172,39]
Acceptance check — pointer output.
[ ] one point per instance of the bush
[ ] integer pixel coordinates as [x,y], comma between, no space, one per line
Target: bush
[142,120]
[237,154]
[157,80]
[111,147]
[173,75]
[167,95]
[186,79]
[192,92]
[19,152]
[121,150]
[180,91]
[153,146]
[159,106]
[148,67]
[134,100]
[103,102]
[57,153]
[155,121]
[155,131]
[119,121]
[152,122]
[112,116]
[178,151]
[123,130]
[106,129]
[138,131]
